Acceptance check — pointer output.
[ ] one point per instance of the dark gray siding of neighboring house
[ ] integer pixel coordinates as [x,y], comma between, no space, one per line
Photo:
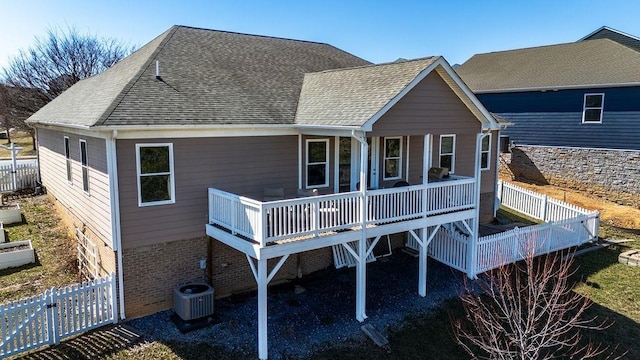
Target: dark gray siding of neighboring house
[554,118]
[433,108]
[94,208]
[617,37]
[240,165]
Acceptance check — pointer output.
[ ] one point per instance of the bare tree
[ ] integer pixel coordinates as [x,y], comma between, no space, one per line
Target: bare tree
[54,63]
[527,310]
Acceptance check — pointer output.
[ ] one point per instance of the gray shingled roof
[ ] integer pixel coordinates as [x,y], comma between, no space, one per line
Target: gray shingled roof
[594,62]
[208,77]
[350,97]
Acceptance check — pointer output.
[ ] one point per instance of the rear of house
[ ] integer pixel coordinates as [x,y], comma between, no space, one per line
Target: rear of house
[138,156]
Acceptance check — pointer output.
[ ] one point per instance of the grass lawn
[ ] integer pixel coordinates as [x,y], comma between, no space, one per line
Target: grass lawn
[22,140]
[55,265]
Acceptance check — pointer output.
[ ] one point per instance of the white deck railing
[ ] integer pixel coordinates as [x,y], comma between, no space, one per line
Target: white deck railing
[266,222]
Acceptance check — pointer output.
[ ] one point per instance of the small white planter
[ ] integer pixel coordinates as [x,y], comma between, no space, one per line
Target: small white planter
[10,214]
[18,257]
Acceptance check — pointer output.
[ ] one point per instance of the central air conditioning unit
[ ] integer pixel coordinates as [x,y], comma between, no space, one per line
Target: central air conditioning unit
[193,301]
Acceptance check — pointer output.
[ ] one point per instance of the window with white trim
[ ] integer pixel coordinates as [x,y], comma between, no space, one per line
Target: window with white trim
[317,163]
[392,158]
[67,156]
[592,109]
[485,153]
[154,164]
[448,152]
[84,162]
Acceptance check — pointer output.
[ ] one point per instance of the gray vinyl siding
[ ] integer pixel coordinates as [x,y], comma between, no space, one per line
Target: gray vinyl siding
[243,166]
[433,108]
[92,208]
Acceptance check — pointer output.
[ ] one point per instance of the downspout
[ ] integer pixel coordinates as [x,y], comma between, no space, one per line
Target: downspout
[115,217]
[496,205]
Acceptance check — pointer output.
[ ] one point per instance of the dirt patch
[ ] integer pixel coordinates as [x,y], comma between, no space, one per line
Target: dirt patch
[614,214]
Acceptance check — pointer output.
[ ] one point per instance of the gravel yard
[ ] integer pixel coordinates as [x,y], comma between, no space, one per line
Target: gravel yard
[322,315]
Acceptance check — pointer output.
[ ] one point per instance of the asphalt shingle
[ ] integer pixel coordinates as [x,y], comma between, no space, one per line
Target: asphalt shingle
[207,77]
[350,97]
[593,62]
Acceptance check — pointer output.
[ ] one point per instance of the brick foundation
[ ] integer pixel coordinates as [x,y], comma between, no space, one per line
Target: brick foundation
[610,174]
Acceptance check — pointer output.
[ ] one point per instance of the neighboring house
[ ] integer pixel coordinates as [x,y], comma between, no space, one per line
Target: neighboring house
[574,111]
[131,154]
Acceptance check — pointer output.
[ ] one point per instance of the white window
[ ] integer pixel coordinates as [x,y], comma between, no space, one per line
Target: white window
[592,110]
[317,163]
[67,156]
[448,152]
[154,164]
[485,153]
[84,161]
[392,158]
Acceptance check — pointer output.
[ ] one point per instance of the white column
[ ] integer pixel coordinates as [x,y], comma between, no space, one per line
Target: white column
[422,270]
[473,240]
[361,267]
[424,233]
[263,352]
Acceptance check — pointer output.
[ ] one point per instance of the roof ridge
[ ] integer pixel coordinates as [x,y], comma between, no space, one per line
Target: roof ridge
[247,34]
[379,64]
[134,79]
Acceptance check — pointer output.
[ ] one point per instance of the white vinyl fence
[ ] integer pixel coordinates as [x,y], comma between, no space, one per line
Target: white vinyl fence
[56,314]
[26,176]
[565,226]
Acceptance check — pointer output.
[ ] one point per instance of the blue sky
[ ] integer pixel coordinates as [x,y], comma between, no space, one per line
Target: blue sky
[377,31]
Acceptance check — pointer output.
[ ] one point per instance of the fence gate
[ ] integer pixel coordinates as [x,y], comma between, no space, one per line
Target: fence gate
[56,314]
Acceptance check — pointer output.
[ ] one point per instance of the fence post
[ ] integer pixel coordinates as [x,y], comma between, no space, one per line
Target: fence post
[543,208]
[52,316]
[113,303]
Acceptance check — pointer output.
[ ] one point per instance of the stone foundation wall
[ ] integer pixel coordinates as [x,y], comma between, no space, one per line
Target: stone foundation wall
[487,201]
[610,174]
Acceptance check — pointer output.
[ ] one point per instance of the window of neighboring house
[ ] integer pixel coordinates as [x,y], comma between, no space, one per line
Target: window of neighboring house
[317,163]
[85,165]
[593,106]
[485,153]
[392,158]
[154,163]
[505,144]
[448,152]
[67,156]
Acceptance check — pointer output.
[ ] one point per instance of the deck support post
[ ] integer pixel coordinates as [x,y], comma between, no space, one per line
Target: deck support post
[263,352]
[422,268]
[361,265]
[472,251]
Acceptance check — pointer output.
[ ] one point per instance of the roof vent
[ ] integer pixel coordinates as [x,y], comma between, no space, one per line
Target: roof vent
[158,70]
